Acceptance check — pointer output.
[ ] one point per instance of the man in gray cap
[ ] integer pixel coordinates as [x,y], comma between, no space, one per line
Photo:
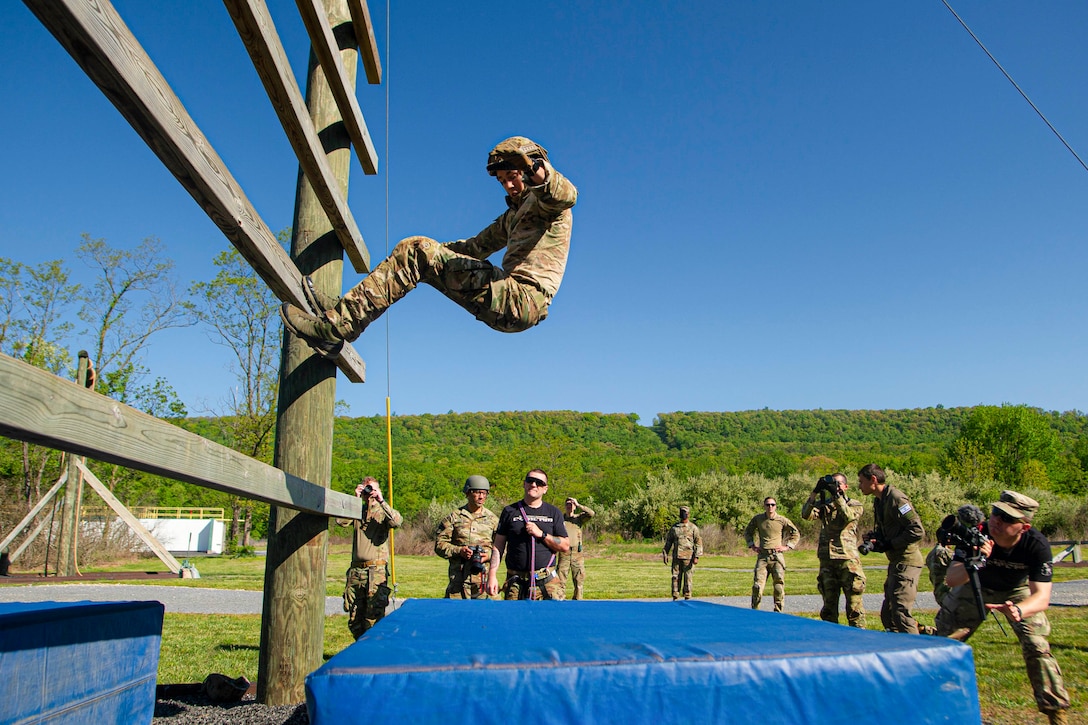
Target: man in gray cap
[464,537]
[534,230]
[684,544]
[1016,582]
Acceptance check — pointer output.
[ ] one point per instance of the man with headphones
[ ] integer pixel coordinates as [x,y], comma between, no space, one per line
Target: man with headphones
[534,230]
[464,537]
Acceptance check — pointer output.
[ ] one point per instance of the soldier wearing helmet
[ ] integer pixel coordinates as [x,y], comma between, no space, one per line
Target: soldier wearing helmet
[534,230]
[464,537]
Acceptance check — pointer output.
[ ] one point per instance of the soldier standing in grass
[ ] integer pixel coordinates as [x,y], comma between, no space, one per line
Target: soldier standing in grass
[837,550]
[464,538]
[573,562]
[776,534]
[1016,582]
[534,230]
[898,534]
[366,593]
[684,544]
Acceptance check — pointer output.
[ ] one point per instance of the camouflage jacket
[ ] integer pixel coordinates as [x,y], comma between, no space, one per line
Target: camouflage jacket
[899,525]
[839,526]
[683,542]
[464,528]
[772,533]
[574,527]
[535,230]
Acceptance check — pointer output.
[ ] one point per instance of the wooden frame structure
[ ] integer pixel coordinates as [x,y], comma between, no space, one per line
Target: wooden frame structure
[36,406]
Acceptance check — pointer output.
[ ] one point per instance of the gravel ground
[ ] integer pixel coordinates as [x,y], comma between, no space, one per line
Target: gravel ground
[198,710]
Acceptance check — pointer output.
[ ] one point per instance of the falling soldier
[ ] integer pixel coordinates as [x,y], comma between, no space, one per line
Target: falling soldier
[535,231]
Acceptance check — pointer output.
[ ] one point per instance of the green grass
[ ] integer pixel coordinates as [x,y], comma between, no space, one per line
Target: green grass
[195,645]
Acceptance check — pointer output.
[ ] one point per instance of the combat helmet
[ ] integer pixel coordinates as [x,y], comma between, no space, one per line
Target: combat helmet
[502,156]
[476,483]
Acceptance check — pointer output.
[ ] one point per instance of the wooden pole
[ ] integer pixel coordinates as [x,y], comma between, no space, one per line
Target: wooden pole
[293,622]
[73,495]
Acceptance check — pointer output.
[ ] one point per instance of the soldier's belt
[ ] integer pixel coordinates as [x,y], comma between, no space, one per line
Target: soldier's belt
[370,564]
[525,574]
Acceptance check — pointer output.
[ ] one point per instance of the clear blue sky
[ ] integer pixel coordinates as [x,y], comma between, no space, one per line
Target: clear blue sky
[782,204]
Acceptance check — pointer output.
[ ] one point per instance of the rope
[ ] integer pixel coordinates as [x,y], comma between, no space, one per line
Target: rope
[1014,85]
[388,377]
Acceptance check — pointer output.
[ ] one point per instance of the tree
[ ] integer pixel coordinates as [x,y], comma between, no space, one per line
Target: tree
[1015,436]
[240,313]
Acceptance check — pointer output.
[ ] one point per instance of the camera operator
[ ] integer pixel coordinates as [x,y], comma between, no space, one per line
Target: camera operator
[776,534]
[1015,581]
[464,538]
[366,593]
[840,562]
[898,533]
[573,562]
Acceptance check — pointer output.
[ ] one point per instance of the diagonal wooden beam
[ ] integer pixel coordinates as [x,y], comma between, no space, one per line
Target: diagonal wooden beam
[42,503]
[328,55]
[100,42]
[38,407]
[258,33]
[364,36]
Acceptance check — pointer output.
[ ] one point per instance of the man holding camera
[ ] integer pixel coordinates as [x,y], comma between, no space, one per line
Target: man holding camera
[464,538]
[776,535]
[535,533]
[837,551]
[684,545]
[1015,581]
[898,534]
[573,562]
[366,594]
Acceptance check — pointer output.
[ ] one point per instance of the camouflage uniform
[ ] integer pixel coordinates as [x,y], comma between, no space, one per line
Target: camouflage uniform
[684,544]
[1011,570]
[573,562]
[840,562]
[366,593]
[773,533]
[535,231]
[937,561]
[900,528]
[459,529]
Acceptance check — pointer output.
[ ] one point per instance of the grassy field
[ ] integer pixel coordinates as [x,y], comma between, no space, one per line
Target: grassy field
[191,648]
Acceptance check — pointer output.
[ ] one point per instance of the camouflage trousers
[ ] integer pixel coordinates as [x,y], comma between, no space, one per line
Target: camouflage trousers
[366,596]
[519,585]
[959,618]
[681,578]
[495,299]
[846,576]
[572,563]
[464,584]
[773,563]
[900,591]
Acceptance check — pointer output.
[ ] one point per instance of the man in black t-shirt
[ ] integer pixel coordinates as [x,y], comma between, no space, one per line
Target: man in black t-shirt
[1016,581]
[535,533]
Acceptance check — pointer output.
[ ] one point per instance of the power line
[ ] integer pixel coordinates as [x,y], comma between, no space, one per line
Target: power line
[1014,84]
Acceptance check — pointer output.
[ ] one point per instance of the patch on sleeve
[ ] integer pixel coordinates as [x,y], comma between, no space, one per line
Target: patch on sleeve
[1047,570]
[905,508]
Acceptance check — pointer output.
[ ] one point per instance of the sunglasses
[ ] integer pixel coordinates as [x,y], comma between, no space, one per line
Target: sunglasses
[770,504]
[1004,516]
[536,482]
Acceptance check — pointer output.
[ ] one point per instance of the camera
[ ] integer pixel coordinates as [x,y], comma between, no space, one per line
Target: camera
[477,561]
[964,531]
[827,484]
[368,490]
[871,542]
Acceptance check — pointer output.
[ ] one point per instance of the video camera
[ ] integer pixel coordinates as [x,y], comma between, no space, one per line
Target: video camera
[964,531]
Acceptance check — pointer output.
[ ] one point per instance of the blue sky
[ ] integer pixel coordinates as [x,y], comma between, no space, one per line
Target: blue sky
[782,204]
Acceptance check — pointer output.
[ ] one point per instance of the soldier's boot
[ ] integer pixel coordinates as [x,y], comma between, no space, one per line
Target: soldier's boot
[321,335]
[1057,717]
[757,597]
[779,605]
[927,630]
[961,634]
[320,303]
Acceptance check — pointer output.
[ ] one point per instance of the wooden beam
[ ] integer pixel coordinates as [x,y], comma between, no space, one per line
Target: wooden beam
[34,512]
[133,523]
[38,407]
[364,36]
[100,42]
[259,35]
[328,55]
